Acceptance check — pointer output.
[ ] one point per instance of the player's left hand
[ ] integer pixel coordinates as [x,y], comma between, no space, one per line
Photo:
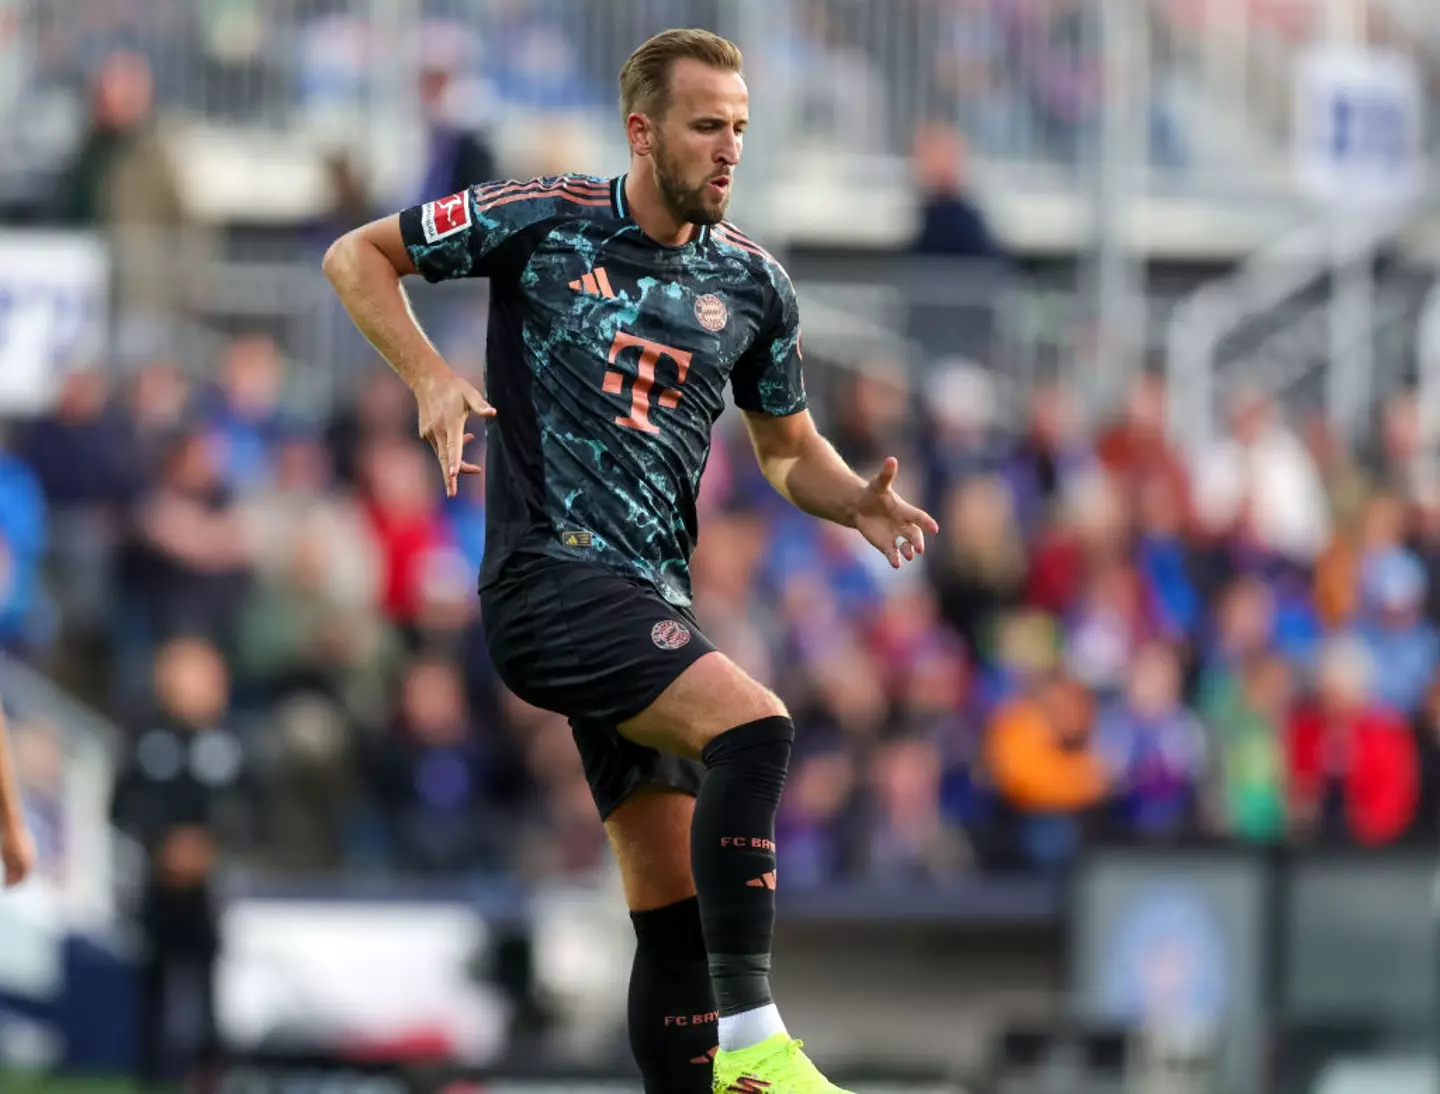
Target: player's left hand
[17,852]
[892,525]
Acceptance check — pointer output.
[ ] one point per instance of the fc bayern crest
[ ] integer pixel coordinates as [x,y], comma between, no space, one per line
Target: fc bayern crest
[712,312]
[669,635]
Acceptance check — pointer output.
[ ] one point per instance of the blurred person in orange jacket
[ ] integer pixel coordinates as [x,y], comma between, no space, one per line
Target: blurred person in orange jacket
[1040,758]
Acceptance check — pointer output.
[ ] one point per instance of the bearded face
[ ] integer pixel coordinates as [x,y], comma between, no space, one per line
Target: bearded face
[689,191]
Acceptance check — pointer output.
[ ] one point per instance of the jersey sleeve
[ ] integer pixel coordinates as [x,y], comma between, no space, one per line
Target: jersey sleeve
[769,379]
[475,233]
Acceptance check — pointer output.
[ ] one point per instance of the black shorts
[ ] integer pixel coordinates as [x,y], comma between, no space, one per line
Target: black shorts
[598,647]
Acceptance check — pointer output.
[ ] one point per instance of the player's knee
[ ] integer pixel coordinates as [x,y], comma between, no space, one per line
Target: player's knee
[761,748]
[671,932]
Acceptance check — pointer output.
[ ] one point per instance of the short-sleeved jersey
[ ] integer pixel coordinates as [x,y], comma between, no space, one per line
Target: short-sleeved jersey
[607,358]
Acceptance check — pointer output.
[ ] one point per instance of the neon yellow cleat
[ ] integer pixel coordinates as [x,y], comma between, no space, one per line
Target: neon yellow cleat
[774,1066]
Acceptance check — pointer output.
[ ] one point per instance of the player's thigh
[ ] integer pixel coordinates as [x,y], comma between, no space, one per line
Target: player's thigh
[712,695]
[586,642]
[650,834]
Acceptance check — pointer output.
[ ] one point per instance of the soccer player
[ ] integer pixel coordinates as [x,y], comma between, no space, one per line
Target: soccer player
[17,849]
[620,308]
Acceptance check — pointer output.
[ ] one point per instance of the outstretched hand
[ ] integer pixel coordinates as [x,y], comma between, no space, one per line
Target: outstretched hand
[445,405]
[892,525]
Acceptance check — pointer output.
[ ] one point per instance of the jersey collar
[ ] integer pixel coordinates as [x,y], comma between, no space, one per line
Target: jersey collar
[622,210]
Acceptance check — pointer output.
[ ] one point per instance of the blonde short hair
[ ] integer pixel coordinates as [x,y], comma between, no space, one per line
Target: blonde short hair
[645,77]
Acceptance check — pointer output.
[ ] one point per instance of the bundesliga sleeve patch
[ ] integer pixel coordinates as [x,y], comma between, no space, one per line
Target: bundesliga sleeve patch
[443,218]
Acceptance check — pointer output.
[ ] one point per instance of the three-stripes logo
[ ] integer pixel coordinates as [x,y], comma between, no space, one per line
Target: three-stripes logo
[594,283]
[764,881]
[748,1084]
[708,1058]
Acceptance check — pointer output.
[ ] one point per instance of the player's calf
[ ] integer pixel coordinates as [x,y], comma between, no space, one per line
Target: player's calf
[672,1008]
[732,851]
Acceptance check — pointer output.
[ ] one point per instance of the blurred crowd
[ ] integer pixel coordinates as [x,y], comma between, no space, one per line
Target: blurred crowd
[1109,640]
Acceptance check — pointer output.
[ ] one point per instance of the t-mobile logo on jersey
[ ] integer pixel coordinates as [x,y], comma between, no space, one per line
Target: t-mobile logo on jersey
[651,354]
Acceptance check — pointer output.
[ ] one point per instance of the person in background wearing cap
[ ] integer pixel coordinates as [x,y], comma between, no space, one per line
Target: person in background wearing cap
[17,848]
[1403,646]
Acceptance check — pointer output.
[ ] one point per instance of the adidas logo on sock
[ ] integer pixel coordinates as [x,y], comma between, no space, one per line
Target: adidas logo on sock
[764,881]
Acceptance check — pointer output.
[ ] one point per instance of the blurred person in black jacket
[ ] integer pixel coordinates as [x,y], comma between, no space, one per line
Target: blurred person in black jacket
[180,796]
[952,225]
[455,157]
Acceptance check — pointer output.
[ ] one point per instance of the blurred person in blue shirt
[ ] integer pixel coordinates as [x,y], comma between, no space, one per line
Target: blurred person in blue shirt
[246,422]
[1165,561]
[1403,645]
[439,782]
[813,830]
[1154,748]
[24,533]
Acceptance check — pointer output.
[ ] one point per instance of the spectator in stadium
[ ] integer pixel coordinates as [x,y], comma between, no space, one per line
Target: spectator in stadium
[1379,528]
[958,420]
[814,830]
[189,560]
[82,450]
[1153,747]
[1354,771]
[124,181]
[1136,447]
[979,568]
[156,404]
[245,419]
[1260,487]
[871,412]
[455,155]
[313,623]
[906,836]
[1042,761]
[941,702]
[1404,647]
[24,534]
[1087,539]
[1168,568]
[184,795]
[442,784]
[952,225]
[405,518]
[1051,456]
[1245,709]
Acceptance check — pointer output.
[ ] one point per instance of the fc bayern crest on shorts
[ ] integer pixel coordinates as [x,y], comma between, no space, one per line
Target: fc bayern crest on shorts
[712,312]
[669,635]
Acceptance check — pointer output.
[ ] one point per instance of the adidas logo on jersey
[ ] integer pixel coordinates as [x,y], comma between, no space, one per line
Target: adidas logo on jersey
[595,283]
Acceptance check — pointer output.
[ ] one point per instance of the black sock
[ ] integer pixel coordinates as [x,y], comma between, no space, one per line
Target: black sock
[672,1006]
[732,853]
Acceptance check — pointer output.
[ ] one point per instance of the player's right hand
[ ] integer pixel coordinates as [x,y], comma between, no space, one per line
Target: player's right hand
[17,853]
[445,404]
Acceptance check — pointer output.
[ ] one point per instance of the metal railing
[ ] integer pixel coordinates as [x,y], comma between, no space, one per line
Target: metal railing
[1305,320]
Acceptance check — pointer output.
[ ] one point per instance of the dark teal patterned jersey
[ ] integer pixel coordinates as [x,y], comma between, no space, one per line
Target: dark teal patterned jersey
[607,358]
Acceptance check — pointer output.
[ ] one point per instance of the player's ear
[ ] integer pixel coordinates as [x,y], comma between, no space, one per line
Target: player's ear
[640,133]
